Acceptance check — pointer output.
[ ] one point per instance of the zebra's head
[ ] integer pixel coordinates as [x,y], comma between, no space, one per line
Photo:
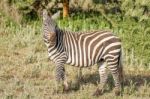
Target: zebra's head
[49,27]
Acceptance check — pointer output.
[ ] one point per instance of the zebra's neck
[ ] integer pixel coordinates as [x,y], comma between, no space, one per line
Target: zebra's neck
[57,47]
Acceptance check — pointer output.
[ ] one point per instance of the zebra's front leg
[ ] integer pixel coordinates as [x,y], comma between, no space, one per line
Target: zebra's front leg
[61,82]
[103,79]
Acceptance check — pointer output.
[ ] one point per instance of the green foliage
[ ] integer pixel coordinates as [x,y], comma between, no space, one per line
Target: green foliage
[30,9]
[136,8]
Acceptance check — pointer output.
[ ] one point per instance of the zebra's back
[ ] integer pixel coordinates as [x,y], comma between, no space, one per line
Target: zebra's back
[86,49]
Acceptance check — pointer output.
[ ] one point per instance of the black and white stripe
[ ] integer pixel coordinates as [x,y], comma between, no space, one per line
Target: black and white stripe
[82,49]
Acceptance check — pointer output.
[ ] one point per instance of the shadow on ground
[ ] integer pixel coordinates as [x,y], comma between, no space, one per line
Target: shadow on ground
[136,80]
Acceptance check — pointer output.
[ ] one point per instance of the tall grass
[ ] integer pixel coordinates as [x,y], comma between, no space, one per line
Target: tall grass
[26,72]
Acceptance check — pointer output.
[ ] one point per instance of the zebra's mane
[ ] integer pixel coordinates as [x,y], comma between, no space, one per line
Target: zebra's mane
[83,32]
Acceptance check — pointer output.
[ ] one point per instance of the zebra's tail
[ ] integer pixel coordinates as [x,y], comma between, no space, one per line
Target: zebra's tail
[121,71]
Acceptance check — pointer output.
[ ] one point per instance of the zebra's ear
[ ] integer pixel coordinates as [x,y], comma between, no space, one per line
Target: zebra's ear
[53,17]
[46,15]
[56,15]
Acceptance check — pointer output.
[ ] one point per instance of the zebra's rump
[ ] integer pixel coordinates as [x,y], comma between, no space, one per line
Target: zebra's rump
[86,49]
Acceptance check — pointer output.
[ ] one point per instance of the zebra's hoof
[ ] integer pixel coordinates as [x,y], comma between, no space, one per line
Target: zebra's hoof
[98,92]
[66,89]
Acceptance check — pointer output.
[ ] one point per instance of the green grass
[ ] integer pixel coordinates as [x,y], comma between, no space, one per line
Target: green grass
[27,73]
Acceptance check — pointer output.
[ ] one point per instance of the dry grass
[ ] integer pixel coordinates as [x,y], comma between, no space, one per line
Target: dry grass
[26,72]
[10,11]
[23,76]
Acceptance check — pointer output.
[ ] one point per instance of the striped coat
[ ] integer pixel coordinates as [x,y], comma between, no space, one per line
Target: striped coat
[82,49]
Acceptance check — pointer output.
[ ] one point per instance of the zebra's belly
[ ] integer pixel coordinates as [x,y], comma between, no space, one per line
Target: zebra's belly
[81,62]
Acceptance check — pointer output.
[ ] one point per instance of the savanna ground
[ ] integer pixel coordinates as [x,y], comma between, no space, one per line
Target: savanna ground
[27,73]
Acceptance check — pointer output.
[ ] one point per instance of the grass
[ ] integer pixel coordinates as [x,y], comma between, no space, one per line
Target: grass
[27,73]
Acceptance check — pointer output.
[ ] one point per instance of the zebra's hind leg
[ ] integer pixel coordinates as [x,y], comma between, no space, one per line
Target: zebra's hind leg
[103,79]
[113,66]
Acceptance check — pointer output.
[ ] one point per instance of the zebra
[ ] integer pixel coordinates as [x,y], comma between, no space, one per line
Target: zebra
[83,49]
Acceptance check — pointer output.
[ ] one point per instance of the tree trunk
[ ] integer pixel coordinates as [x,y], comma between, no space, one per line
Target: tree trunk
[65,8]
